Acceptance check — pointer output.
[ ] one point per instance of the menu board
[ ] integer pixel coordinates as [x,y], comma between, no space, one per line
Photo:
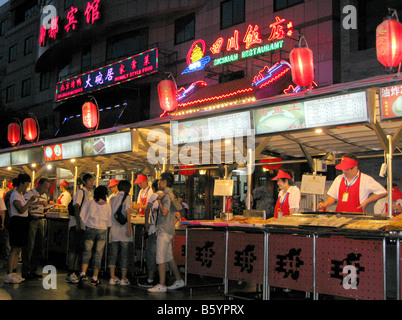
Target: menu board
[329,111]
[390,102]
[26,156]
[213,128]
[63,151]
[113,143]
[5,159]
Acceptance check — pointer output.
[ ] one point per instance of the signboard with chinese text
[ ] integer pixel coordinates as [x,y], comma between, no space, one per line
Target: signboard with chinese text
[26,156]
[391,102]
[63,151]
[331,111]
[108,144]
[128,69]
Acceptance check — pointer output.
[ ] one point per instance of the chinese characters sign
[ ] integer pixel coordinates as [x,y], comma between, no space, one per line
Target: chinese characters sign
[124,70]
[252,37]
[53,31]
[391,102]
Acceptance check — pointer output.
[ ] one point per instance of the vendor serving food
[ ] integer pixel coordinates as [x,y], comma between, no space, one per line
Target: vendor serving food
[144,194]
[289,196]
[352,189]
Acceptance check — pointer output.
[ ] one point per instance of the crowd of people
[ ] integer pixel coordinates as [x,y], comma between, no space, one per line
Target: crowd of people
[97,213]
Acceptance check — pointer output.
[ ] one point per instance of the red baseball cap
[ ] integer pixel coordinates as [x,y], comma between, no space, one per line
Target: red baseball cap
[141,178]
[346,163]
[282,175]
[113,182]
[10,185]
[65,183]
[396,193]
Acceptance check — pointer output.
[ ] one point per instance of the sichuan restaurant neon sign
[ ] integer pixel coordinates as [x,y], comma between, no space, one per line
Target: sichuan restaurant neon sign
[252,41]
[134,67]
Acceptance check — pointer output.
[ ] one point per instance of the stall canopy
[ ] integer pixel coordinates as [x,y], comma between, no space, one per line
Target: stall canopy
[298,143]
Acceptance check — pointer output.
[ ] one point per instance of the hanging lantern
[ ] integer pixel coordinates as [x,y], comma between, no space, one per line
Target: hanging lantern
[14,133]
[167,96]
[90,115]
[302,62]
[389,42]
[187,172]
[30,129]
[272,166]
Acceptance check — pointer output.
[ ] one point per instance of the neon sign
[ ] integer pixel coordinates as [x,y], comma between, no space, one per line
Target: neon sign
[91,14]
[280,29]
[128,69]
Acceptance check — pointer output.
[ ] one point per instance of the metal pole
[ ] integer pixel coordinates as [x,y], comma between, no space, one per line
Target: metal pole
[389,176]
[250,161]
[97,174]
[75,179]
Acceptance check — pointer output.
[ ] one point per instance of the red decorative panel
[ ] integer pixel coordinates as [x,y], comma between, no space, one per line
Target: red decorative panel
[290,262]
[246,257]
[179,246]
[206,253]
[350,268]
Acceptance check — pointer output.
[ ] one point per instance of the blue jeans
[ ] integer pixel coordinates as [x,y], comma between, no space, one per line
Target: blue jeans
[114,249]
[93,236]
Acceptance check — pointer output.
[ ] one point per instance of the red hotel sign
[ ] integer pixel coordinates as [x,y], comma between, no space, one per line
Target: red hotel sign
[128,69]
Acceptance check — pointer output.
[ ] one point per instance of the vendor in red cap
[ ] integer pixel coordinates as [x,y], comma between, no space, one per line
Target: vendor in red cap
[143,195]
[289,196]
[352,189]
[65,197]
[381,207]
[113,187]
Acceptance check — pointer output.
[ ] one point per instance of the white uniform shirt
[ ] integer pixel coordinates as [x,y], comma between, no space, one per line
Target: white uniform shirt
[144,192]
[65,198]
[118,231]
[96,215]
[367,186]
[294,197]
[77,200]
[19,197]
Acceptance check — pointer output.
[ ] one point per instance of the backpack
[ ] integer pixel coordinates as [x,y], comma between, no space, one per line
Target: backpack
[70,207]
[119,215]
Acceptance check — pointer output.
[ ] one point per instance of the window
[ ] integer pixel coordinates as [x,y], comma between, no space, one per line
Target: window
[28,47]
[86,57]
[370,15]
[10,93]
[127,44]
[184,29]
[12,53]
[44,81]
[26,88]
[27,10]
[2,28]
[283,4]
[232,13]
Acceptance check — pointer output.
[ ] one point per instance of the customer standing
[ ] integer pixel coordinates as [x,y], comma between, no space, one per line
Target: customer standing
[19,226]
[32,254]
[289,196]
[120,234]
[76,228]
[97,217]
[165,230]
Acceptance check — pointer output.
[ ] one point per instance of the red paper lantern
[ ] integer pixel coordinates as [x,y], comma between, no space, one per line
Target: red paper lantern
[187,172]
[272,166]
[30,130]
[90,115]
[14,133]
[167,95]
[302,62]
[389,43]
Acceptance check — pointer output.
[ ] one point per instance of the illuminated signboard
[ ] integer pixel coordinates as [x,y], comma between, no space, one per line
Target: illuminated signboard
[113,143]
[63,151]
[280,29]
[5,160]
[212,128]
[53,30]
[26,156]
[391,102]
[337,110]
[128,69]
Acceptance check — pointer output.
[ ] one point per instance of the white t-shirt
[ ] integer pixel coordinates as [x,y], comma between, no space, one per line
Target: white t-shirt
[77,200]
[118,231]
[95,215]
[153,214]
[65,198]
[367,186]
[144,192]
[294,197]
[33,192]
[380,206]
[18,197]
